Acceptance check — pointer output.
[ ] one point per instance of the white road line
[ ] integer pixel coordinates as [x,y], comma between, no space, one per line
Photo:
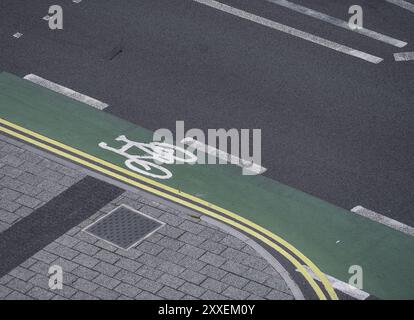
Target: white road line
[404,56]
[338,22]
[66,91]
[292,31]
[402,4]
[341,286]
[245,165]
[394,224]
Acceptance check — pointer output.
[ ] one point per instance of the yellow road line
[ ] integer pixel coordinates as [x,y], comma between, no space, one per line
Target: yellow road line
[251,224]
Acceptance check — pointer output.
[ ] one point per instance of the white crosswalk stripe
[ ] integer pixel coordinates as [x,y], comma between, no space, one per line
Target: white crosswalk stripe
[292,31]
[338,22]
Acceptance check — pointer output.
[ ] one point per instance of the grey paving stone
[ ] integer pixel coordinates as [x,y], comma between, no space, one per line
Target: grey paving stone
[86,248]
[210,295]
[19,285]
[23,212]
[256,275]
[85,285]
[22,273]
[170,243]
[67,241]
[255,263]
[83,236]
[276,282]
[192,239]
[277,295]
[171,255]
[212,246]
[193,276]
[235,293]
[192,289]
[40,294]
[235,267]
[79,295]
[29,202]
[132,253]
[105,294]
[17,296]
[128,264]
[10,183]
[149,285]
[9,206]
[257,288]
[31,179]
[150,248]
[128,277]
[147,296]
[171,232]
[170,294]
[154,238]
[42,281]
[64,252]
[192,227]
[233,242]
[9,194]
[150,260]
[170,280]
[51,186]
[235,280]
[214,285]
[10,159]
[192,251]
[85,273]
[213,272]
[10,171]
[4,291]
[171,268]
[193,264]
[107,256]
[105,245]
[149,272]
[5,279]
[106,268]
[128,290]
[213,259]
[67,265]
[151,211]
[85,260]
[107,282]
[171,219]
[67,291]
[8,217]
[212,234]
[28,263]
[29,190]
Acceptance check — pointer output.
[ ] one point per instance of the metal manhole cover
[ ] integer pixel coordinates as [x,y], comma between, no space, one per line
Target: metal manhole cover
[124,227]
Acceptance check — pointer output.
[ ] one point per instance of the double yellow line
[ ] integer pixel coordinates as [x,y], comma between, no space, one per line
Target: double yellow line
[202,206]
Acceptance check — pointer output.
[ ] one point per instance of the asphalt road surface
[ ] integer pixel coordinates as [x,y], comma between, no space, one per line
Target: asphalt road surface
[333,125]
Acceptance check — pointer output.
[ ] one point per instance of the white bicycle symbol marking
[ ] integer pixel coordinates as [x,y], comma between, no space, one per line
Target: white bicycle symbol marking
[159,152]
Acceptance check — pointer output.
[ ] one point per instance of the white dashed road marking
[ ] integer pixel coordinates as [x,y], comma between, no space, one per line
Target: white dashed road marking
[338,22]
[342,286]
[247,167]
[402,4]
[292,31]
[404,56]
[66,91]
[394,224]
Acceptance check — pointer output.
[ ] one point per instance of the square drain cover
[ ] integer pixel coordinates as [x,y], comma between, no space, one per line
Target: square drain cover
[124,227]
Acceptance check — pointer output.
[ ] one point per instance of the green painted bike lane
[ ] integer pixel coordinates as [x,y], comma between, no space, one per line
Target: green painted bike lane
[333,238]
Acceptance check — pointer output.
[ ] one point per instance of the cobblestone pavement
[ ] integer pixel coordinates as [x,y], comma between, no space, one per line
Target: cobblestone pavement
[186,259]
